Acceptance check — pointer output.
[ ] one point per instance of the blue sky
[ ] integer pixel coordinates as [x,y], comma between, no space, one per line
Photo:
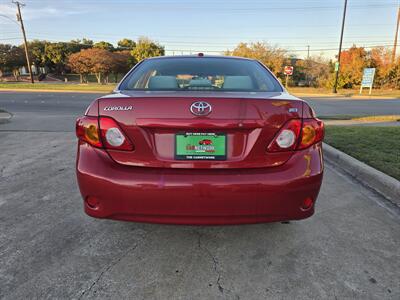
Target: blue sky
[209,26]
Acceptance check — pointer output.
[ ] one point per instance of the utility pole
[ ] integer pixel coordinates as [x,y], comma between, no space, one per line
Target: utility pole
[340,48]
[21,22]
[308,52]
[395,37]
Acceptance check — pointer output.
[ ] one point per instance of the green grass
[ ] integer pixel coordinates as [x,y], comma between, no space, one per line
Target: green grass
[59,87]
[376,146]
[344,92]
[91,78]
[363,118]
[341,117]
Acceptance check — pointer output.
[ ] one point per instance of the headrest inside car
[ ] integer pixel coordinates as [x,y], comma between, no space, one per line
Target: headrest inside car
[163,82]
[200,82]
[237,83]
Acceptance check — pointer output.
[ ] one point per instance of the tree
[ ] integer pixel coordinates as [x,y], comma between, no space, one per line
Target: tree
[11,59]
[273,57]
[37,53]
[77,45]
[352,63]
[81,63]
[126,44]
[381,59]
[102,63]
[57,55]
[394,74]
[94,60]
[315,71]
[54,55]
[121,62]
[146,48]
[104,45]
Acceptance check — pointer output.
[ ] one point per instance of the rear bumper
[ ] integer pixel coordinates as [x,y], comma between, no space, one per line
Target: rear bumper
[199,196]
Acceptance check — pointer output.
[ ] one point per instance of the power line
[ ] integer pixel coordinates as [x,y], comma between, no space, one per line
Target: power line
[8,18]
[230,44]
[270,39]
[205,5]
[292,50]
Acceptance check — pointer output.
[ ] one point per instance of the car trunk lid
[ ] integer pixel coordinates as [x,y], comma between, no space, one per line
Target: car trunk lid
[152,124]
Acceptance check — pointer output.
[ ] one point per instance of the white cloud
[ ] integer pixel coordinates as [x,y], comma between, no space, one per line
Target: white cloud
[31,13]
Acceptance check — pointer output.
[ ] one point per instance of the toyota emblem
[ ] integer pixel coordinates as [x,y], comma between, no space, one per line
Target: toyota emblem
[200,108]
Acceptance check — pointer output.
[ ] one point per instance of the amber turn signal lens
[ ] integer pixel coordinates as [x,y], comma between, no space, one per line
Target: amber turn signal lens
[87,130]
[312,132]
[308,135]
[92,134]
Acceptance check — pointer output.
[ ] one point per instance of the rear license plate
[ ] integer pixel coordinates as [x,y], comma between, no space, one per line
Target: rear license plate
[200,146]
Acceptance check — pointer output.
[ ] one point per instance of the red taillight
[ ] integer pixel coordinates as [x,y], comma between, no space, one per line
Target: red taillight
[297,134]
[87,130]
[102,132]
[312,132]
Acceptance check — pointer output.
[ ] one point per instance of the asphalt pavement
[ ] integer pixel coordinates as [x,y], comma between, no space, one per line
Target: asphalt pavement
[49,249]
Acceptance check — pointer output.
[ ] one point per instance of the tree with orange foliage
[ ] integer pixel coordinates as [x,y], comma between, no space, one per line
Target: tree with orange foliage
[80,63]
[381,59]
[97,61]
[353,61]
[273,57]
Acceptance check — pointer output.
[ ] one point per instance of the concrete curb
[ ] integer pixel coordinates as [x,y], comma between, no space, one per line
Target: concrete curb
[384,184]
[5,116]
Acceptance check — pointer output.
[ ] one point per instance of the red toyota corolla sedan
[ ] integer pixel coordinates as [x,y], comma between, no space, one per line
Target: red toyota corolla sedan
[199,140]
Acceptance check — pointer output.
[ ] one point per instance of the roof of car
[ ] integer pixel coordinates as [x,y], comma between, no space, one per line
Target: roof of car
[200,56]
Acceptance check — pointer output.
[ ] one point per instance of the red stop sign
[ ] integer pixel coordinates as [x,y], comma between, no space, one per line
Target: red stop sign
[288,70]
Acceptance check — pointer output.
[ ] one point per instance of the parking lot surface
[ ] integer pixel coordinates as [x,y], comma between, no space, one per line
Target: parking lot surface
[50,249]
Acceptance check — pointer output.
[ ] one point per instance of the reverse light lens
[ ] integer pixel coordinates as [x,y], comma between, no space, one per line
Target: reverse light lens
[114,137]
[286,139]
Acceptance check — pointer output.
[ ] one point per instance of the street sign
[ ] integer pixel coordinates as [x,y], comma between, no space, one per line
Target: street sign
[336,66]
[367,79]
[288,70]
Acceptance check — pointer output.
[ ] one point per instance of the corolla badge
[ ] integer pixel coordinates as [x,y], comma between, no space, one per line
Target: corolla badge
[200,108]
[118,107]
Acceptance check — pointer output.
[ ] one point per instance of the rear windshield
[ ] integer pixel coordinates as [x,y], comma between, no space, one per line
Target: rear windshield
[201,74]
